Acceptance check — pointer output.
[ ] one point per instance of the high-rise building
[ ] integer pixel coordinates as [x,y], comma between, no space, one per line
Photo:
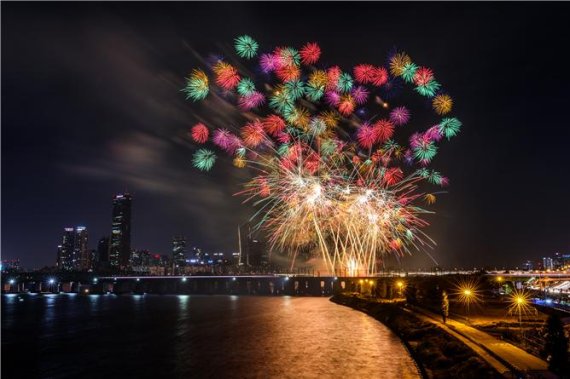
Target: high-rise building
[120,249]
[178,253]
[66,251]
[252,248]
[73,253]
[82,254]
[547,263]
[103,252]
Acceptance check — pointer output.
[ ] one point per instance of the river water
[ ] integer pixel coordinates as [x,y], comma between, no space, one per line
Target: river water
[108,336]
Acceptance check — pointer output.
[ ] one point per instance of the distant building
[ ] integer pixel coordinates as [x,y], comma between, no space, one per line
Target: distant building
[141,261]
[120,249]
[547,263]
[178,253]
[528,266]
[82,254]
[253,251]
[73,254]
[103,252]
[10,265]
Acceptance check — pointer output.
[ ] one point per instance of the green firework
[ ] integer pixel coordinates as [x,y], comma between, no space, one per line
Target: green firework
[317,126]
[245,87]
[425,151]
[196,86]
[344,83]
[429,89]
[204,159]
[246,47]
[314,93]
[449,127]
[408,72]
[295,89]
[328,147]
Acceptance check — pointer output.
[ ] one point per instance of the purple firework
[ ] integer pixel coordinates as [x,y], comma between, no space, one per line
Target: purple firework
[400,116]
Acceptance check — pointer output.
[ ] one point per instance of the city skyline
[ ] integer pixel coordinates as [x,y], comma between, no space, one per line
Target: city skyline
[81,155]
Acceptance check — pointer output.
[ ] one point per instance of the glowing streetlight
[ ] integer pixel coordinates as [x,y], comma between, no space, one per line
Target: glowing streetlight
[12,281]
[400,285]
[520,304]
[467,292]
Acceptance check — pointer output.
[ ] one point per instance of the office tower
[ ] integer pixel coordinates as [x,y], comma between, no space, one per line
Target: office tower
[120,249]
[178,253]
[252,248]
[66,251]
[103,252]
[81,252]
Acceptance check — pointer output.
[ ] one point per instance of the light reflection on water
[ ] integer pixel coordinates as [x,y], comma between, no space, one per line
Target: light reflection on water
[198,336]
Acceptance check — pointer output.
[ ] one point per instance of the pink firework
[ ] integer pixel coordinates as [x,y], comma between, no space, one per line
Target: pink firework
[433,134]
[274,125]
[332,98]
[415,140]
[360,95]
[384,130]
[444,181]
[268,63]
[283,137]
[366,136]
[312,163]
[400,116]
[310,53]
[199,133]
[379,76]
[253,134]
[423,76]
[222,138]
[251,101]
[363,73]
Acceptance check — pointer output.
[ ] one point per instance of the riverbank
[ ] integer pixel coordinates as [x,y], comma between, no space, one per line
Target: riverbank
[437,353]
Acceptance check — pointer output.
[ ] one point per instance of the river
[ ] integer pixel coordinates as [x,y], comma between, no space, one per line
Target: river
[107,336]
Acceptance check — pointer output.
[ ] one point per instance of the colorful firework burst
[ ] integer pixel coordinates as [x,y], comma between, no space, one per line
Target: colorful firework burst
[324,178]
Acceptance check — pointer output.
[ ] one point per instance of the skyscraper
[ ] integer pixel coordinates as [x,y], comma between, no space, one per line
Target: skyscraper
[178,253]
[120,249]
[73,254]
[65,251]
[103,252]
[81,252]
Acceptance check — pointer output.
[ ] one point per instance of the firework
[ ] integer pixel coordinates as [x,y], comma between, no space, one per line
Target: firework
[227,76]
[204,159]
[310,53]
[400,116]
[199,133]
[442,104]
[196,86]
[246,47]
[332,169]
[449,127]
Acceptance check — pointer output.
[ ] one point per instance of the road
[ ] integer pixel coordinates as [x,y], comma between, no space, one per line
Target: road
[497,353]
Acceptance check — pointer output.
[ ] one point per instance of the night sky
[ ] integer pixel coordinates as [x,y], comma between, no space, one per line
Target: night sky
[91,107]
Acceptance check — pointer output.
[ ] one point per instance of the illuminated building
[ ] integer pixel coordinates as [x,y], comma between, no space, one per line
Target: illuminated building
[73,254]
[120,249]
[178,253]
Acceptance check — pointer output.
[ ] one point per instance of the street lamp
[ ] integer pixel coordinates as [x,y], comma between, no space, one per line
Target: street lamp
[400,285]
[467,292]
[520,304]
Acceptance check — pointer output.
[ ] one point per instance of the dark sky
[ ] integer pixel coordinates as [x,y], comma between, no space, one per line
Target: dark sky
[91,106]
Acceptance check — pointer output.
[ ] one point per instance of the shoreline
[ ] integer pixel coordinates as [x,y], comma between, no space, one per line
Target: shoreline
[435,352]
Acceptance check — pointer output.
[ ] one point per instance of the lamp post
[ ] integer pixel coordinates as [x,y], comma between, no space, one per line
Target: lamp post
[467,293]
[400,285]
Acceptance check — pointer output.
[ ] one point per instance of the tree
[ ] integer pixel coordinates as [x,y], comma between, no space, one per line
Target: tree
[556,345]
[444,306]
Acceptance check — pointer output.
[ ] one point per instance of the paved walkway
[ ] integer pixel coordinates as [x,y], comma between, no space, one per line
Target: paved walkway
[497,353]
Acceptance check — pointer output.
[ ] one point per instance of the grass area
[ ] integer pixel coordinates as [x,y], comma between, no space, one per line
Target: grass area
[438,354]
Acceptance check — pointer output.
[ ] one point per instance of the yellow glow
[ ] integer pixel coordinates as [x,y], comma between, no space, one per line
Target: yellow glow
[500,279]
[467,292]
[520,300]
[400,283]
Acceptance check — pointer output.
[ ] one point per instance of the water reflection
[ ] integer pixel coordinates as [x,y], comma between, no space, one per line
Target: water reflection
[198,336]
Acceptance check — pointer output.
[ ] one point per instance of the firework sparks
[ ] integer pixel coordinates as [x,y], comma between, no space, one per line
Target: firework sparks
[324,179]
